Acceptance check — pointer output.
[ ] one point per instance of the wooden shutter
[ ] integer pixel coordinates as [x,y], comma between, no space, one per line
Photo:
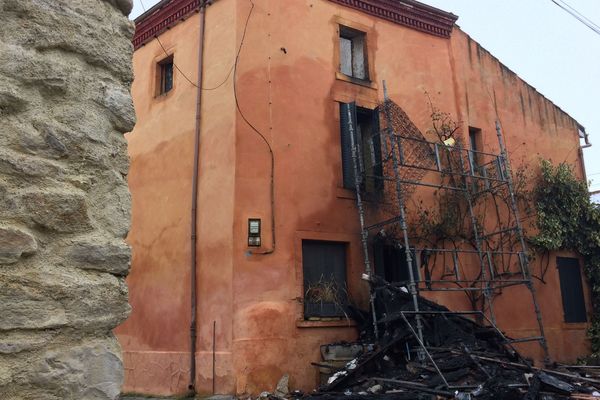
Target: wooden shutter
[378,167]
[571,289]
[347,125]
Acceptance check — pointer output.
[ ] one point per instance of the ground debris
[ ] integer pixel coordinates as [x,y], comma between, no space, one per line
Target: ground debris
[458,359]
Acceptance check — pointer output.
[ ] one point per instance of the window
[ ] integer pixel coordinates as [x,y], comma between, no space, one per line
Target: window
[390,262]
[165,75]
[361,125]
[571,289]
[324,267]
[475,144]
[353,60]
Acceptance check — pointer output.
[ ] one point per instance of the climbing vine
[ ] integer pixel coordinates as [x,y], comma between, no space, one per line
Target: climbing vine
[568,220]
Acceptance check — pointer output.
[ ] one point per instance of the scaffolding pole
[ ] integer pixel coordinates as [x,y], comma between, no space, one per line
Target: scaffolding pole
[525,256]
[412,286]
[364,232]
[485,173]
[486,287]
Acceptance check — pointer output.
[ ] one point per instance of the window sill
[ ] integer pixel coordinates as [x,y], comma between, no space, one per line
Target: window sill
[343,193]
[163,96]
[343,323]
[356,81]
[575,326]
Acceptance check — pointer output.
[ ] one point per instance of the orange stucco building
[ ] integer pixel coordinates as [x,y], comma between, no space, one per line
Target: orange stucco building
[273,76]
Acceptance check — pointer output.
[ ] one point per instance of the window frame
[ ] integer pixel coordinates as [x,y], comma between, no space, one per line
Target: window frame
[332,309]
[161,78]
[368,31]
[353,267]
[370,185]
[475,147]
[353,36]
[582,316]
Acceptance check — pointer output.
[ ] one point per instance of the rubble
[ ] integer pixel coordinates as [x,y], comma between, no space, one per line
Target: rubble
[457,358]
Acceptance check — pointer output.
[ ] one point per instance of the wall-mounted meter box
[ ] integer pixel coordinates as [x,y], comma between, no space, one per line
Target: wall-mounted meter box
[254,232]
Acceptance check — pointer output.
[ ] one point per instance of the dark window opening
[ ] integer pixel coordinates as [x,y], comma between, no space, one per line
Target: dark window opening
[391,264]
[571,289]
[475,146]
[325,289]
[361,126]
[353,59]
[165,75]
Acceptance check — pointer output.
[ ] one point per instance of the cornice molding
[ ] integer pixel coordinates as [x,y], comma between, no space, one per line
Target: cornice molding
[409,13]
[161,17]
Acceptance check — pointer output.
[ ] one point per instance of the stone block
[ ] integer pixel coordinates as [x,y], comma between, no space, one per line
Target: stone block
[118,101]
[17,341]
[57,211]
[12,163]
[15,243]
[91,370]
[106,257]
[21,309]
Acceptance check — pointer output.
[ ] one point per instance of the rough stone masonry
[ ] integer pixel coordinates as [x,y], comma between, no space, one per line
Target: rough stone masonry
[65,73]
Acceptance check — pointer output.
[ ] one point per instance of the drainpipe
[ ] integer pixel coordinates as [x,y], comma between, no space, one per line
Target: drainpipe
[194,216]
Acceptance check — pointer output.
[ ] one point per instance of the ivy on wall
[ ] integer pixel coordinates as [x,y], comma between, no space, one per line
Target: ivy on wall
[568,220]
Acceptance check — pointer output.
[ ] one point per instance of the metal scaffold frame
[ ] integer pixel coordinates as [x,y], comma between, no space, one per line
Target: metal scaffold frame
[470,183]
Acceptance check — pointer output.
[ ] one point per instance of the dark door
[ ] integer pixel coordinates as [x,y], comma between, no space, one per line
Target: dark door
[390,263]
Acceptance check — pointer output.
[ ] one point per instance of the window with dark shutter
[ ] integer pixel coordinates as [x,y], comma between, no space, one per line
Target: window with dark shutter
[325,289]
[347,128]
[571,289]
[364,125]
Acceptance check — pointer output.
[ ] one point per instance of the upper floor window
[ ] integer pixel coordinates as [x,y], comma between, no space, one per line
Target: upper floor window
[165,75]
[476,146]
[361,127]
[353,54]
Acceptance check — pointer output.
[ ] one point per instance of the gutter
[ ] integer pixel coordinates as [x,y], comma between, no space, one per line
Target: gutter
[583,135]
[194,210]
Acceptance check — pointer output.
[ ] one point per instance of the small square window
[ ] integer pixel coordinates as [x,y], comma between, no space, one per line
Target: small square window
[353,59]
[165,75]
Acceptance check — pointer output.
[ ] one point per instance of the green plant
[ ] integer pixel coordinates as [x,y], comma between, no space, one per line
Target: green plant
[568,220]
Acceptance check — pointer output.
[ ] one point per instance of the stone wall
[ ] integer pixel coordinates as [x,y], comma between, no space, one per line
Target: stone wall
[65,73]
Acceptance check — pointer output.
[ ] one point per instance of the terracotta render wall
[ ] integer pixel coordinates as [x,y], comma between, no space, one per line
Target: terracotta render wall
[156,339]
[287,87]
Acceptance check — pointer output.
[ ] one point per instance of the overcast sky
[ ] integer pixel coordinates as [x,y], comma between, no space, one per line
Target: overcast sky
[544,45]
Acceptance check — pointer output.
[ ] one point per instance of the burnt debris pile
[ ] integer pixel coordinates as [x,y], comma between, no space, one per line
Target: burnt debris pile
[456,358]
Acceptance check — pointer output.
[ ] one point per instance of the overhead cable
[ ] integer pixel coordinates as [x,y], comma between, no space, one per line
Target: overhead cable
[577,15]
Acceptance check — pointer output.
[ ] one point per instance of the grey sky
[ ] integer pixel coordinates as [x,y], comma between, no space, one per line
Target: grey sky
[544,45]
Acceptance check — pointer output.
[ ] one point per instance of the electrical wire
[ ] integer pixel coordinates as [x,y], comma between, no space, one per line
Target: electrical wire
[255,130]
[577,15]
[580,14]
[233,70]
[235,65]
[179,69]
